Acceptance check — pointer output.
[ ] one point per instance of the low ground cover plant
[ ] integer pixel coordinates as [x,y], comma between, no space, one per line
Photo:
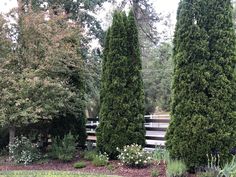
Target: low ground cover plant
[79,165]
[134,156]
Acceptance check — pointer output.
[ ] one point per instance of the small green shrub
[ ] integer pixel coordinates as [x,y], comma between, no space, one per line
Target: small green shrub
[79,165]
[64,149]
[175,168]
[90,155]
[160,154]
[23,151]
[100,160]
[134,156]
[155,173]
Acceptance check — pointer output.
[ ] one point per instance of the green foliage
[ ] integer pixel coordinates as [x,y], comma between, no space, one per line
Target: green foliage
[229,169]
[155,173]
[122,97]
[79,165]
[134,156]
[160,154]
[100,160]
[157,74]
[64,149]
[90,155]
[176,168]
[42,79]
[23,151]
[203,105]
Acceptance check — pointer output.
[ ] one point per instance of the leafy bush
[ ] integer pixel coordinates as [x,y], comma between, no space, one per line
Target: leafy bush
[229,170]
[160,154]
[79,165]
[90,155]
[23,151]
[154,173]
[134,156]
[175,168]
[64,149]
[100,160]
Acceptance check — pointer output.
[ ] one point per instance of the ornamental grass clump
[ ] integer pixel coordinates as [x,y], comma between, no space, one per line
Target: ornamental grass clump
[100,160]
[134,156]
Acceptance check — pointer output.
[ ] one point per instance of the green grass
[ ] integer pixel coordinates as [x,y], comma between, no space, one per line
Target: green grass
[47,174]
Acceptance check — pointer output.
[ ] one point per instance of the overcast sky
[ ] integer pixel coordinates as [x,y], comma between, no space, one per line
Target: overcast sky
[160,5]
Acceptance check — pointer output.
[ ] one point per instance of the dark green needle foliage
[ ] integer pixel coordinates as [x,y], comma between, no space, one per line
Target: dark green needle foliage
[202,110]
[122,98]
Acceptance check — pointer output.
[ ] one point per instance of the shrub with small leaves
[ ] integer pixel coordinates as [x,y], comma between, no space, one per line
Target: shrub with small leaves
[100,160]
[64,149]
[23,150]
[79,165]
[90,155]
[134,156]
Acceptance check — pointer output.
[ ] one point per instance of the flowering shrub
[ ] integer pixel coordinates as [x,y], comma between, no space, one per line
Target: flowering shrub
[134,156]
[100,160]
[23,151]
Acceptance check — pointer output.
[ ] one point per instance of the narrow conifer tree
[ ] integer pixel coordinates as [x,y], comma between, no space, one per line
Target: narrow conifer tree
[218,22]
[136,129]
[121,112]
[202,119]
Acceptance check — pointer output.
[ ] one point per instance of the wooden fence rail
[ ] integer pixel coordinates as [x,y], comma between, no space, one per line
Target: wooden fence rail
[156,126]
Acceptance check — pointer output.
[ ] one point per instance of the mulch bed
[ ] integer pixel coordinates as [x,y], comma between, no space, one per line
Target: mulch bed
[117,169]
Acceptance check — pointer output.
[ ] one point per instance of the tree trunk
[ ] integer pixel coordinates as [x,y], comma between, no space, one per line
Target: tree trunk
[12,132]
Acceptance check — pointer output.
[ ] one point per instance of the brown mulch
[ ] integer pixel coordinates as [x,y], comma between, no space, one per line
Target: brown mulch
[117,169]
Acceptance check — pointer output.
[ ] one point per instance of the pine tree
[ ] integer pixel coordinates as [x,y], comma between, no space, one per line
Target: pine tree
[202,120]
[121,112]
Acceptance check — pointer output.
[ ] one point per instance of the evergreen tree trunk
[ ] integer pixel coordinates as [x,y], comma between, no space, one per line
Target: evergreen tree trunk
[12,133]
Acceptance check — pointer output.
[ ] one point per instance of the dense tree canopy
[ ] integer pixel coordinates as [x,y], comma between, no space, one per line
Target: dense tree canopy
[202,110]
[42,75]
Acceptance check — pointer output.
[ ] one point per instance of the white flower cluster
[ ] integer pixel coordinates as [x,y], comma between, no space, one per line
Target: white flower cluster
[23,151]
[133,155]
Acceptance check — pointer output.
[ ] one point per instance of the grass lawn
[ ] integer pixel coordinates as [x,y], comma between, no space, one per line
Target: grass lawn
[47,174]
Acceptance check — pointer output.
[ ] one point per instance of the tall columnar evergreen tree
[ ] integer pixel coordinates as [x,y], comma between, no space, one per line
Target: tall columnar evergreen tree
[202,110]
[217,21]
[136,129]
[121,112]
